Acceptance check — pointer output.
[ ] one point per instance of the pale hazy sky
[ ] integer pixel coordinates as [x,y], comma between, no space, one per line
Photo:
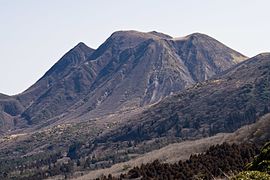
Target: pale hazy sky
[34,34]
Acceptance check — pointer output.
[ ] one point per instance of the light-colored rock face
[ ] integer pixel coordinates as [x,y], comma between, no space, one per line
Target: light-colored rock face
[130,69]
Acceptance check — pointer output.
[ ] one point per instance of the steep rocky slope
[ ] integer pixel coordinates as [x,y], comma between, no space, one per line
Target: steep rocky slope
[222,104]
[145,68]
[63,85]
[204,56]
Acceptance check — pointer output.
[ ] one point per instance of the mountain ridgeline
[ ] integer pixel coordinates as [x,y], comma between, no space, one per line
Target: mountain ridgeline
[130,69]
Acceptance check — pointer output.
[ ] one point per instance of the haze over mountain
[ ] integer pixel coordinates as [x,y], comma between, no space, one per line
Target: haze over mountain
[130,69]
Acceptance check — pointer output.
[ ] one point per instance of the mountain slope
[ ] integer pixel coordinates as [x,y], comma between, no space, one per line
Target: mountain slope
[59,88]
[204,56]
[223,104]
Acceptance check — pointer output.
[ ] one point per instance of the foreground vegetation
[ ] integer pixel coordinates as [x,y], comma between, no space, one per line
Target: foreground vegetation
[259,168]
[245,160]
[218,161]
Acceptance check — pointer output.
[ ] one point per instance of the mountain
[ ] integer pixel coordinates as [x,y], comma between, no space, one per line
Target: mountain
[130,69]
[153,67]
[135,93]
[222,104]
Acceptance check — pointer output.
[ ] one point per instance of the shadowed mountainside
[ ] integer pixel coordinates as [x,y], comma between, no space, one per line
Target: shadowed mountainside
[221,104]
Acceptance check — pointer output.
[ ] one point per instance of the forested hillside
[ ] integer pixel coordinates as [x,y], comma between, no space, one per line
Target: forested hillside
[218,161]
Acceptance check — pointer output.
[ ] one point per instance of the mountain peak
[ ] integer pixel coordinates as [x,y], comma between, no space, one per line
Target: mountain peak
[127,33]
[198,34]
[159,34]
[193,36]
[72,58]
[81,44]
[123,40]
[83,47]
[265,54]
[141,35]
